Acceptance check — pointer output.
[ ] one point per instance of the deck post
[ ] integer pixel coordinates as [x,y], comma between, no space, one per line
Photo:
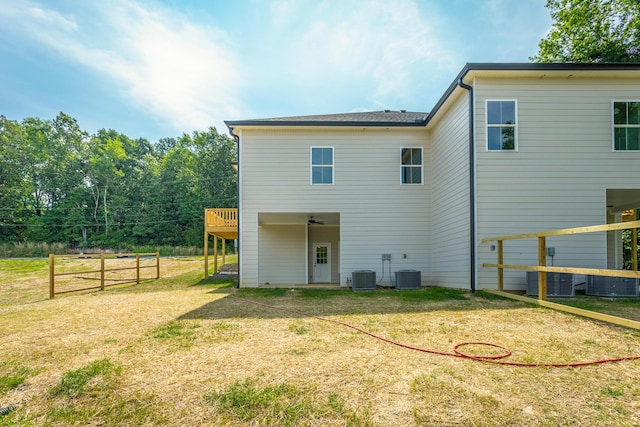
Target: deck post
[500,269]
[215,254]
[542,262]
[206,254]
[224,242]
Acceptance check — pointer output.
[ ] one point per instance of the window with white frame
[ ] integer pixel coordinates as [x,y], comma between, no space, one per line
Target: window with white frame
[626,125]
[501,125]
[321,165]
[411,165]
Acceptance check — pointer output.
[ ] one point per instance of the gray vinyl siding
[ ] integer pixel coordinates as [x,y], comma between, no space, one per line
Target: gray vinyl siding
[559,175]
[450,198]
[377,214]
[281,254]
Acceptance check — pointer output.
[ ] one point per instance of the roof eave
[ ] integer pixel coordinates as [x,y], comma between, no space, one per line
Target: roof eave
[231,124]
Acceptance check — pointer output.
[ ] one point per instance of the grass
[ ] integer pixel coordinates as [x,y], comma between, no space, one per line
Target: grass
[627,308]
[185,351]
[74,383]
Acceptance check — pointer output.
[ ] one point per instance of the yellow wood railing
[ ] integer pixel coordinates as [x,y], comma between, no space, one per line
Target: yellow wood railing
[221,223]
[542,267]
[216,218]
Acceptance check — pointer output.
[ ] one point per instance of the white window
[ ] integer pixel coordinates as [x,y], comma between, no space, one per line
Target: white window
[501,125]
[411,165]
[626,125]
[322,165]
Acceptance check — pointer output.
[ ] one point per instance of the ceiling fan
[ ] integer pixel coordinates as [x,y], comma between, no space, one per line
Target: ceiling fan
[314,221]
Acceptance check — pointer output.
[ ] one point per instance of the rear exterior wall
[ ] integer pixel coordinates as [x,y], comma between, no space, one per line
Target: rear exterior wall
[378,215]
[557,177]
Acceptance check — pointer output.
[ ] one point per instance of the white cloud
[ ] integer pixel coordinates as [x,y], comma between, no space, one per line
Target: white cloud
[180,72]
[386,43]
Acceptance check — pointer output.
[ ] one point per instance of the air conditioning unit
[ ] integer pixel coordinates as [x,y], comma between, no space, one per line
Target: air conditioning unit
[558,284]
[604,286]
[363,280]
[408,279]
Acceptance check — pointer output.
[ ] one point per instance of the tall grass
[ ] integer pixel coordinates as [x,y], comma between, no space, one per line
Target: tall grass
[43,249]
[31,249]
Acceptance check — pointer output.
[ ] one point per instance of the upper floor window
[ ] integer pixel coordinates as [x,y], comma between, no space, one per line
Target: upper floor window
[411,165]
[626,125]
[501,125]
[321,165]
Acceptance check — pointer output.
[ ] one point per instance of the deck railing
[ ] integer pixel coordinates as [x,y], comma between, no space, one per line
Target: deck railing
[542,267]
[227,217]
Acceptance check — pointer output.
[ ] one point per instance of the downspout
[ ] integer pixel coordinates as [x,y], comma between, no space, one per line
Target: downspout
[472,188]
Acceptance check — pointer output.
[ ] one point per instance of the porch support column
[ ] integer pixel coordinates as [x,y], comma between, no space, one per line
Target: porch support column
[224,242]
[206,254]
[215,254]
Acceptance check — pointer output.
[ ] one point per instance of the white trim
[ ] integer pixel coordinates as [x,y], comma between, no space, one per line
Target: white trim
[514,126]
[311,165]
[613,125]
[413,166]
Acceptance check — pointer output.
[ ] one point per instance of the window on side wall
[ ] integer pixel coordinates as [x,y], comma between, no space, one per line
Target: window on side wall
[626,125]
[411,165]
[321,165]
[502,128]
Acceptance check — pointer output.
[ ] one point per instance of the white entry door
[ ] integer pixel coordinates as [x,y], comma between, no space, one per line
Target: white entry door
[322,262]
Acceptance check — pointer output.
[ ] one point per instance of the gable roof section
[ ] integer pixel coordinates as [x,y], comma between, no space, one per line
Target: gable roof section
[402,118]
[386,118]
[522,69]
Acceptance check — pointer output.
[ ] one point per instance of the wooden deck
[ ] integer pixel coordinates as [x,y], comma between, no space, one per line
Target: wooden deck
[222,223]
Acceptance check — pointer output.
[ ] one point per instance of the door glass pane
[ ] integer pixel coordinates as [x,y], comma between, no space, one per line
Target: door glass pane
[321,255]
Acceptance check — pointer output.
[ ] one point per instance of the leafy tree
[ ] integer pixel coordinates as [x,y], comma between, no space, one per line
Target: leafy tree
[56,181]
[12,189]
[592,31]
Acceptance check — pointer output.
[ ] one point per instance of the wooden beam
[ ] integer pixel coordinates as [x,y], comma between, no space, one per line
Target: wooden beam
[566,231]
[575,270]
[500,269]
[568,309]
[224,243]
[215,254]
[542,262]
[206,254]
[52,274]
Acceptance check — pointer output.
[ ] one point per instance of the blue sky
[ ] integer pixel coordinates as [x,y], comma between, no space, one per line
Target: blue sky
[160,68]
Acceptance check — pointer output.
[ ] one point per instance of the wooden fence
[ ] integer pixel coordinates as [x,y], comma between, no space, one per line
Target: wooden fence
[542,267]
[100,274]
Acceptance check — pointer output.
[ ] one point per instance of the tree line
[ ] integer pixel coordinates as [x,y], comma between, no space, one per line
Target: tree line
[60,184]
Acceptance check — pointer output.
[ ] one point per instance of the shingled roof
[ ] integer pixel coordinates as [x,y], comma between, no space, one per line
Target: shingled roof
[386,118]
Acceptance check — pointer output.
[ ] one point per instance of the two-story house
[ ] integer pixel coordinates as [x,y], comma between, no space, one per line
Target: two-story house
[509,148]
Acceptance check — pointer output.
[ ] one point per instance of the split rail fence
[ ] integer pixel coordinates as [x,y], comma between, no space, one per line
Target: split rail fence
[107,275]
[542,267]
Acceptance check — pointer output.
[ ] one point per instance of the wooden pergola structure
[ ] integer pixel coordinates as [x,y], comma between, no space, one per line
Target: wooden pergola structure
[222,224]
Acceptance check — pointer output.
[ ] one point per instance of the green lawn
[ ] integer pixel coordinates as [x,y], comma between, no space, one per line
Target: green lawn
[187,351]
